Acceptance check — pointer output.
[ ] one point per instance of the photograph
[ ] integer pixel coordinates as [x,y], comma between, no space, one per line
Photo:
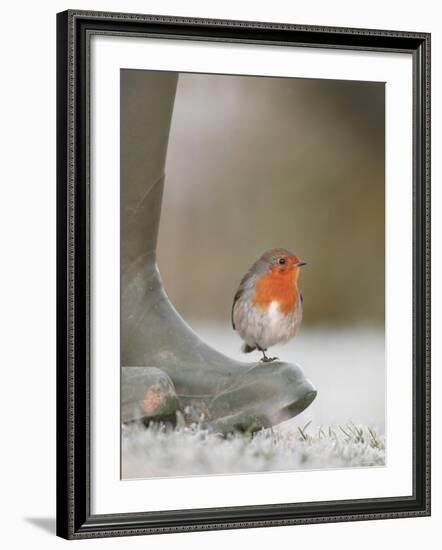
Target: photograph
[252,274]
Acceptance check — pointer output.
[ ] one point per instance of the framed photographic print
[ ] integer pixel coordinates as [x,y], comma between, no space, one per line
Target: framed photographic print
[243,274]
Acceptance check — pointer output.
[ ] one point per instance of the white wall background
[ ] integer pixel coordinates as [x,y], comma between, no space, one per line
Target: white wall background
[27,299]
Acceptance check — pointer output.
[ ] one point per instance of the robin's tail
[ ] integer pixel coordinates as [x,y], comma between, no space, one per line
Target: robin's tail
[247,349]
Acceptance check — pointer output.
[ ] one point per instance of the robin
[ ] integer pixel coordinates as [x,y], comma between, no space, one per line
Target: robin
[267,307]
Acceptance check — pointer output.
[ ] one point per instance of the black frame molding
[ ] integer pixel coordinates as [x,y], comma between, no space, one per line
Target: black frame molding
[74,518]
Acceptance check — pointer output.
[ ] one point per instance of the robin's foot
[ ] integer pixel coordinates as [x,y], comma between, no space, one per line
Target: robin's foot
[266,359]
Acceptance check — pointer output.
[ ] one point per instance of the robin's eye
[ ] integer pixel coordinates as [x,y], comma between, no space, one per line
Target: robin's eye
[281,261]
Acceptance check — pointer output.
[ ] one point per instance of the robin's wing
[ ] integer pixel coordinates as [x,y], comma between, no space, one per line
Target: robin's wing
[235,299]
[246,285]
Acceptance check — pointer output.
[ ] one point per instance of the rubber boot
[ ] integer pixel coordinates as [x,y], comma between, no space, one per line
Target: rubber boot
[230,395]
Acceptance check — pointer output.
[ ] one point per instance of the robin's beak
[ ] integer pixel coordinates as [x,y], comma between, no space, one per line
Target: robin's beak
[301,263]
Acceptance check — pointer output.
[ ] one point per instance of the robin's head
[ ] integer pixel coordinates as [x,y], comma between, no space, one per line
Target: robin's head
[280,260]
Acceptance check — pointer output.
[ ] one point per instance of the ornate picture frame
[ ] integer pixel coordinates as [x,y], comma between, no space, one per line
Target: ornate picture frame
[75,516]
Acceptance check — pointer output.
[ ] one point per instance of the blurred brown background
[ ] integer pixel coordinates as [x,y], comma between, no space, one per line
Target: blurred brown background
[255,163]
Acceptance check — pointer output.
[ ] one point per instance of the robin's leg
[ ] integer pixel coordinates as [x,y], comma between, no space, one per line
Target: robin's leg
[264,357]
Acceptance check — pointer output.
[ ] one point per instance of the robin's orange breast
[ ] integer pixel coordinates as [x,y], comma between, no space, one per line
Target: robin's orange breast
[279,286]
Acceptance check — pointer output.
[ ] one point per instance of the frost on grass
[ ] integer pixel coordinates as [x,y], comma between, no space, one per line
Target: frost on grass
[162,451]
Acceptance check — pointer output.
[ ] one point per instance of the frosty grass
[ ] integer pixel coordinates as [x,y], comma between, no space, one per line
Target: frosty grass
[162,451]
